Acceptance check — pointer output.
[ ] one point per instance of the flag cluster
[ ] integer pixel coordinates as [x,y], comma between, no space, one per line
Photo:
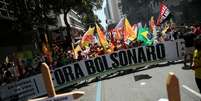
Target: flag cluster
[124,33]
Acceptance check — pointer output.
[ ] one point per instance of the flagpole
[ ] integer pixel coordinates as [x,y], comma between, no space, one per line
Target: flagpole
[72,44]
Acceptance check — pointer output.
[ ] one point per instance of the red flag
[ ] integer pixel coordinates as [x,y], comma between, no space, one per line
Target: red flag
[117,34]
[102,38]
[112,37]
[164,12]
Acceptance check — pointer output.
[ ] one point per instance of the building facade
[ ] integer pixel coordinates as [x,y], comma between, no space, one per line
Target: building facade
[73,18]
[183,11]
[113,11]
[75,23]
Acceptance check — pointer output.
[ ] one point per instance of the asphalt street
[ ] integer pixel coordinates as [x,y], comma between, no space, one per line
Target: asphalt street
[146,84]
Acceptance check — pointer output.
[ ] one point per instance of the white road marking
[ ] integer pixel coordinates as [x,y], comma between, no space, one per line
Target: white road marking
[143,83]
[192,91]
[163,99]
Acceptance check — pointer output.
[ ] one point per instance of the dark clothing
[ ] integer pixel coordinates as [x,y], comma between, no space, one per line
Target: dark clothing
[189,39]
[80,57]
[198,82]
[7,76]
[176,35]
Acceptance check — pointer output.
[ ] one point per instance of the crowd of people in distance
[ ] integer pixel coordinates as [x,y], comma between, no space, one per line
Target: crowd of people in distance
[16,69]
[62,57]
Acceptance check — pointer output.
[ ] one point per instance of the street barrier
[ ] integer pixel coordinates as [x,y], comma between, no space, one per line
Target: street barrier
[173,90]
[76,72]
[47,79]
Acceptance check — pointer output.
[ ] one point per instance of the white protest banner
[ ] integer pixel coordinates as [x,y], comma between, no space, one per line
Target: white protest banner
[52,96]
[85,69]
[74,95]
[23,89]
[168,51]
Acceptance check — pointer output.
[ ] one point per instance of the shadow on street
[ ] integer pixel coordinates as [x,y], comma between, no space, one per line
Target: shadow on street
[141,77]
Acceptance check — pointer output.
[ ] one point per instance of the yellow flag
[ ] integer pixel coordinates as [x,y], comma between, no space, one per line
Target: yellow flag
[87,37]
[165,29]
[44,48]
[128,31]
[145,33]
[77,49]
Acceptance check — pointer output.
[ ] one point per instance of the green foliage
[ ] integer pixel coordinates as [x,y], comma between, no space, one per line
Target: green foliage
[40,13]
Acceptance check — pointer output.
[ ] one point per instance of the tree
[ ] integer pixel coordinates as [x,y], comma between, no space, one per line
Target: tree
[39,14]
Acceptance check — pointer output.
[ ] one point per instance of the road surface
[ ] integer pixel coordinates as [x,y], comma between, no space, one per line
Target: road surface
[147,84]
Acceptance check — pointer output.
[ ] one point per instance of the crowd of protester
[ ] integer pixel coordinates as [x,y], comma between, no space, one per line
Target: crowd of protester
[62,57]
[13,70]
[16,69]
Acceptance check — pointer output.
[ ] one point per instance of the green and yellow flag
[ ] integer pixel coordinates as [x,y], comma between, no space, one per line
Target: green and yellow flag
[143,36]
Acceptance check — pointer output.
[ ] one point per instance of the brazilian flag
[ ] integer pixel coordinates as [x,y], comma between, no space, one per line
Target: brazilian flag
[143,36]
